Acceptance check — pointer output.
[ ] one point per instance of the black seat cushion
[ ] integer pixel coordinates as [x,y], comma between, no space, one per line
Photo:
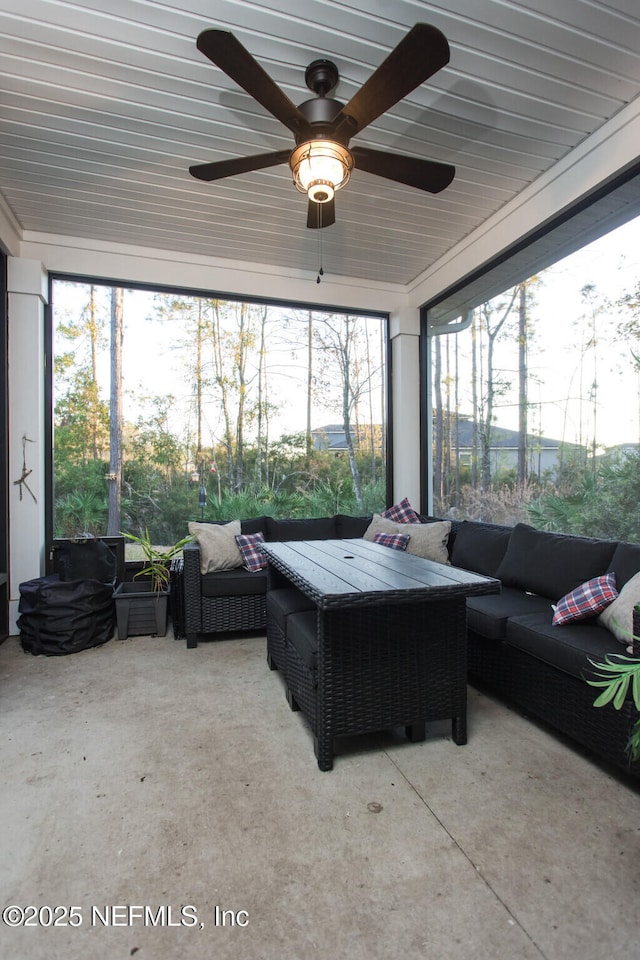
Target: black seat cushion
[282,603]
[233,583]
[568,647]
[302,634]
[488,616]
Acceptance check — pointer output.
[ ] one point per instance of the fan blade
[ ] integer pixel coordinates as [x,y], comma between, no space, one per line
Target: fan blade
[223,49]
[321,214]
[414,172]
[422,53]
[230,168]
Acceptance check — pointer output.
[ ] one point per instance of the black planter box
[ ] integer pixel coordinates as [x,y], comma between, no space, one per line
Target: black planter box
[139,612]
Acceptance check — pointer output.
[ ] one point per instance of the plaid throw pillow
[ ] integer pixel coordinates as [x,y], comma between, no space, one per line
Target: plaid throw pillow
[397,541]
[253,559]
[401,512]
[586,601]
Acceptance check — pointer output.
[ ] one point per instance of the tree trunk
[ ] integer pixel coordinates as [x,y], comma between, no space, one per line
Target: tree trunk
[241,359]
[222,385]
[372,438]
[383,403]
[492,387]
[346,412]
[115,413]
[474,400]
[262,404]
[456,427]
[355,473]
[522,386]
[446,453]
[199,332]
[309,445]
[93,335]
[486,422]
[438,424]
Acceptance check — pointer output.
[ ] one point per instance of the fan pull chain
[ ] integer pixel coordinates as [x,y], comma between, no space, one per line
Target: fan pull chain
[320,271]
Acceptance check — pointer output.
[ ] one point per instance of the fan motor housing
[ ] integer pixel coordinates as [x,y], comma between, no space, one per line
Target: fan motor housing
[321,110]
[321,76]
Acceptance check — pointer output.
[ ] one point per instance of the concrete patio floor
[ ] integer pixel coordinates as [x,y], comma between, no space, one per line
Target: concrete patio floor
[142,774]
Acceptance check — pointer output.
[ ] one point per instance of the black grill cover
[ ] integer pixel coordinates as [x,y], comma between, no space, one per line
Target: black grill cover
[59,617]
[89,559]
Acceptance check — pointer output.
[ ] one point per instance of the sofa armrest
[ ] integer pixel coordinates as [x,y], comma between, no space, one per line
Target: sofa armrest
[192,585]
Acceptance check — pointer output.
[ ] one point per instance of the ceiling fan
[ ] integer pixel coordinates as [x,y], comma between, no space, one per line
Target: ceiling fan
[322,160]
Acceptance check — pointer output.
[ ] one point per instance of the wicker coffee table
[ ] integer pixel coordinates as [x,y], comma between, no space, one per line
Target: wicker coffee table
[390,635]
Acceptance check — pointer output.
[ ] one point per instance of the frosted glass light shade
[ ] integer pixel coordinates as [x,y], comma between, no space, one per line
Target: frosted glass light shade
[320,167]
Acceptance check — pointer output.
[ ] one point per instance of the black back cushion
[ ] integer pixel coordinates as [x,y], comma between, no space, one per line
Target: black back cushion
[480,546]
[316,528]
[552,564]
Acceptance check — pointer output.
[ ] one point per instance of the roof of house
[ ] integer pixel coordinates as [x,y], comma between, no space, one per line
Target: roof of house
[502,437]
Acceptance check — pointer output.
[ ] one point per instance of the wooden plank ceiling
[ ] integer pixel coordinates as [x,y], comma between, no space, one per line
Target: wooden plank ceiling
[106,103]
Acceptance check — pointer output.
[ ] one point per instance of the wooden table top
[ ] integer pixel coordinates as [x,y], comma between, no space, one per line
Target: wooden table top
[341,572]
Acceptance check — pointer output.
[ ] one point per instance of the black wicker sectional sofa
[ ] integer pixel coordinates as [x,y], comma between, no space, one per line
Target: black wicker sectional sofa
[235,599]
[514,650]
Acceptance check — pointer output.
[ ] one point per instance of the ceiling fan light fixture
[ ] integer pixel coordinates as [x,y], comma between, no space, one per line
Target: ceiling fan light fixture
[320,167]
[321,191]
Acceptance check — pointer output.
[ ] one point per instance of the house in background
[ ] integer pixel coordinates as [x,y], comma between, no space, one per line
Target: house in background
[332,437]
[543,453]
[625,449]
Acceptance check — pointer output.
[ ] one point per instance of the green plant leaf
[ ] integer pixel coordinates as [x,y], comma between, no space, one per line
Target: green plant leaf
[633,745]
[158,561]
[605,697]
[623,686]
[636,689]
[620,665]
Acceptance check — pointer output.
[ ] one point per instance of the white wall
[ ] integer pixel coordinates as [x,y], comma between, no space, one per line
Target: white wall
[405,398]
[27,289]
[123,262]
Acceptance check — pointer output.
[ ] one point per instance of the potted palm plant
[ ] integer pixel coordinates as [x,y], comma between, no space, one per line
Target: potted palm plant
[142,608]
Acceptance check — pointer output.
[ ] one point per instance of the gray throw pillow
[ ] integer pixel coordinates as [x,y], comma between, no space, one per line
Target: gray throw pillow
[218,547]
[379,525]
[618,616]
[428,540]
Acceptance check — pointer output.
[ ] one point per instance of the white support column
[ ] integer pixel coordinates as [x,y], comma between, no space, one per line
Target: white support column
[405,351]
[27,296]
